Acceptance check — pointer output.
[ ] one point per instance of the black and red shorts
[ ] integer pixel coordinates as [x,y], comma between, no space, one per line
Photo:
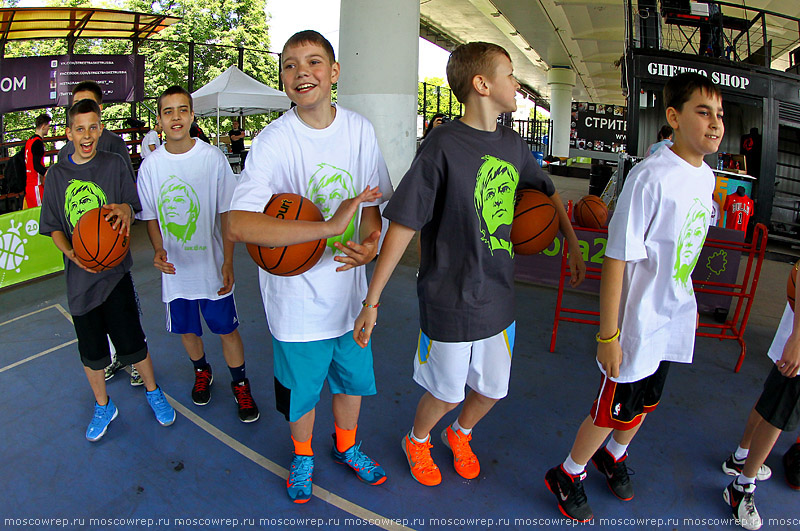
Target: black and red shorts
[620,405]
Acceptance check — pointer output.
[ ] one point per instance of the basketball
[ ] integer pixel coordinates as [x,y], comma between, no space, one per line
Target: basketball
[96,244]
[292,259]
[535,222]
[591,212]
[790,284]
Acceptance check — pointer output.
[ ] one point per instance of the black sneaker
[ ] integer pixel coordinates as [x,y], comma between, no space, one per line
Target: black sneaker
[616,473]
[733,467]
[569,492]
[201,392]
[248,410]
[742,502]
[791,465]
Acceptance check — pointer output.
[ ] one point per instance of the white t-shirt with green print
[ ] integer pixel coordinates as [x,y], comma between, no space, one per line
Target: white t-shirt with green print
[186,193]
[326,166]
[658,228]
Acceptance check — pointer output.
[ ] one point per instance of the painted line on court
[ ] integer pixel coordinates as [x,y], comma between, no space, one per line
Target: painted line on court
[31,313]
[39,355]
[321,493]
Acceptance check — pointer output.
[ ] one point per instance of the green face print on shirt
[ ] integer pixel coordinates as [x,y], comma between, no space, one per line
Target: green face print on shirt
[79,198]
[326,189]
[690,243]
[495,188]
[178,210]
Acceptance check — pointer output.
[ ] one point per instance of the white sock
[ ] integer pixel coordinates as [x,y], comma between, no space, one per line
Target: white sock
[573,468]
[416,440]
[744,480]
[457,427]
[741,453]
[616,449]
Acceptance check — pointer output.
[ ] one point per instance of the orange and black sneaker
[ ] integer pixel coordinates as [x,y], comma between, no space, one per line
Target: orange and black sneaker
[568,490]
[791,465]
[423,469]
[464,460]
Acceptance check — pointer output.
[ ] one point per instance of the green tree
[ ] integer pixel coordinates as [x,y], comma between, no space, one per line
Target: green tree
[435,96]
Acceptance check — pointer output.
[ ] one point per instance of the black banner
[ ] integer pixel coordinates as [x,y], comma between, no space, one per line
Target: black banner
[598,127]
[36,82]
[730,80]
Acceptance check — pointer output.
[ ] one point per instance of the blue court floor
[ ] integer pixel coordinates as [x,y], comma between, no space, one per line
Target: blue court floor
[210,471]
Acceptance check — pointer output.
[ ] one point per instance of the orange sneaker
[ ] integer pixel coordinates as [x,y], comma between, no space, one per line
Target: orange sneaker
[464,460]
[423,469]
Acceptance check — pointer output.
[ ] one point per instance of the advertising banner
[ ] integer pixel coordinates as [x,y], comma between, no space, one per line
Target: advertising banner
[35,82]
[598,127]
[24,253]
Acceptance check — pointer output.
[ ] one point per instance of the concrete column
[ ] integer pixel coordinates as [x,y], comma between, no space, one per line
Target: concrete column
[378,43]
[561,80]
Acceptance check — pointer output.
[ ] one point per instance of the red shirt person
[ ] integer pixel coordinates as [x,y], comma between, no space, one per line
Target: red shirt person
[34,162]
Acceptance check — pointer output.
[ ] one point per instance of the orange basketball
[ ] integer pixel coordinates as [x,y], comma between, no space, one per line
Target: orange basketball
[535,222]
[292,259]
[96,244]
[791,282]
[591,212]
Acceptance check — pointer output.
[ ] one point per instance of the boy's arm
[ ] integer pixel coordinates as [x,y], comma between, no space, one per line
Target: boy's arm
[160,258]
[790,359]
[227,262]
[397,239]
[610,354]
[257,228]
[65,246]
[577,267]
[370,233]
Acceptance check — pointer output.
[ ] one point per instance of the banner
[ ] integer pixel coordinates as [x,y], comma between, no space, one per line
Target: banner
[35,82]
[598,127]
[24,253]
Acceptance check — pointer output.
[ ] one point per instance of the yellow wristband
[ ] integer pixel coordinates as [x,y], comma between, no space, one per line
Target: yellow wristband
[365,305]
[609,340]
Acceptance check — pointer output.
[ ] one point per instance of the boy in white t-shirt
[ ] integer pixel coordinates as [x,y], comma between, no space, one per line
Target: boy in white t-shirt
[151,141]
[185,190]
[648,313]
[327,154]
[777,410]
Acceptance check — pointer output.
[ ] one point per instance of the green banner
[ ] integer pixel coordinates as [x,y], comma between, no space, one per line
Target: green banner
[24,253]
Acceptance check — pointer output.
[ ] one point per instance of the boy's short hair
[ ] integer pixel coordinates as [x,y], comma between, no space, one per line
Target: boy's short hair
[665,132]
[680,88]
[171,91]
[42,119]
[310,37]
[468,61]
[83,106]
[92,87]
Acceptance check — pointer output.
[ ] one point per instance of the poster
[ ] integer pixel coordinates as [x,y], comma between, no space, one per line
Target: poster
[24,253]
[598,127]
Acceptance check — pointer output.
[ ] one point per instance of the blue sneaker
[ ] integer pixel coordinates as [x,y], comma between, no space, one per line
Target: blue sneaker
[365,468]
[165,415]
[103,415]
[298,484]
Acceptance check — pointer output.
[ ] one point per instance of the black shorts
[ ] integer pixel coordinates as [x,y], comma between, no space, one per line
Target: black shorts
[620,405]
[118,318]
[779,403]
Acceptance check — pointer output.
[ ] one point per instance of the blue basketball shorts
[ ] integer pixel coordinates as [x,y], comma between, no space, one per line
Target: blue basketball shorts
[301,368]
[183,316]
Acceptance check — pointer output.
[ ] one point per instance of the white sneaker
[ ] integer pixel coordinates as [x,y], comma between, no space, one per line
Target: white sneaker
[742,502]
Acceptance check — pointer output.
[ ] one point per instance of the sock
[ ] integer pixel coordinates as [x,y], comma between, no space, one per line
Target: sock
[417,440]
[744,480]
[237,373]
[572,468]
[345,439]
[303,448]
[741,453]
[457,427]
[200,364]
[616,449]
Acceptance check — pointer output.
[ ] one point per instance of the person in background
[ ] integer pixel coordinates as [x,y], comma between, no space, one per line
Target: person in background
[151,141]
[437,120]
[664,139]
[34,162]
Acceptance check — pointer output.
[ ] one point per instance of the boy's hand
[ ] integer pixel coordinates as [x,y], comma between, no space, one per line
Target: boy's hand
[358,255]
[344,214]
[790,359]
[577,268]
[160,262]
[124,213]
[227,278]
[365,322]
[71,255]
[610,357]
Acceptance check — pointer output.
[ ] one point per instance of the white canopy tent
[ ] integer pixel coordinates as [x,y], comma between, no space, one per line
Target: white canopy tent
[234,93]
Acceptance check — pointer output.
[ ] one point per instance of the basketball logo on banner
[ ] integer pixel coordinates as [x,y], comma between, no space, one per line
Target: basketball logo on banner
[12,248]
